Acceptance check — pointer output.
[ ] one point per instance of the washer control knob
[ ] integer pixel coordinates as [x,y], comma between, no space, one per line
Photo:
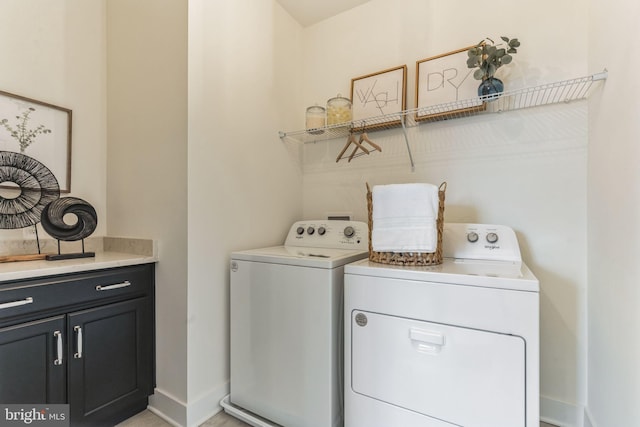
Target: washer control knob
[310,231]
[492,237]
[300,231]
[349,231]
[472,237]
[322,231]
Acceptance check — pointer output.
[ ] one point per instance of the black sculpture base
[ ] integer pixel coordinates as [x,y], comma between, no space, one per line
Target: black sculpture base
[58,257]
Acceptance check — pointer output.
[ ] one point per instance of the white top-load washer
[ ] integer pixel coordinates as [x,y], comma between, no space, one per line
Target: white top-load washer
[456,344]
[286,326]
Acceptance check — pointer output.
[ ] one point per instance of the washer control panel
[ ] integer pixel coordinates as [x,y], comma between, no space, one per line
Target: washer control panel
[336,234]
[480,241]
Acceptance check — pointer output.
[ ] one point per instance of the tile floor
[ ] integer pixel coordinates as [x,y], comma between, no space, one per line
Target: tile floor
[149,419]
[221,419]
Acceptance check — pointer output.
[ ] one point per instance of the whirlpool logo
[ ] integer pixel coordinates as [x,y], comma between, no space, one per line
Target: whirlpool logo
[34,415]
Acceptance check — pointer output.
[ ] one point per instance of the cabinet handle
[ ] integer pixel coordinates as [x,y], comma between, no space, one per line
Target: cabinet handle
[116,286]
[58,336]
[27,300]
[78,331]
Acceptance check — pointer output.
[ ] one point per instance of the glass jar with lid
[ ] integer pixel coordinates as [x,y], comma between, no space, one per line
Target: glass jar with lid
[315,119]
[338,110]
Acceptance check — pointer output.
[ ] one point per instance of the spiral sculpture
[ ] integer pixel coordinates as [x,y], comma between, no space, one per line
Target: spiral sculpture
[53,219]
[37,188]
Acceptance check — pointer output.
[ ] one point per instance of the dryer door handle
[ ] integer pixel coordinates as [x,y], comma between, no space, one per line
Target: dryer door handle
[430,341]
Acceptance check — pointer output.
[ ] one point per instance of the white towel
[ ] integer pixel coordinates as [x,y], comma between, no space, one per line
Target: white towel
[405,218]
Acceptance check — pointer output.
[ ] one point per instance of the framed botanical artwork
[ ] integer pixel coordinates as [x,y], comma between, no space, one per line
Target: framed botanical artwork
[378,99]
[445,86]
[39,130]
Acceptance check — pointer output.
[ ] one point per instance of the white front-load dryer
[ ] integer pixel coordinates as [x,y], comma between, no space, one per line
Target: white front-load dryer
[455,344]
[286,326]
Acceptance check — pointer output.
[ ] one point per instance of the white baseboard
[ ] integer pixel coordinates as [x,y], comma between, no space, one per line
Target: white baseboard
[168,407]
[193,414]
[588,418]
[561,414]
[179,414]
[206,405]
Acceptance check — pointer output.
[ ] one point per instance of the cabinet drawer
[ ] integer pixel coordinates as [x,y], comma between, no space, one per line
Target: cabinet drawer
[61,292]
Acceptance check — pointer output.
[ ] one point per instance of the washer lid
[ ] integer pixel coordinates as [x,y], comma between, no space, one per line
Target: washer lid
[301,256]
[490,274]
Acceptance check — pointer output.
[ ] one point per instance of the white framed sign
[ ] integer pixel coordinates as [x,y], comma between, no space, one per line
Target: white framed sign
[380,97]
[445,85]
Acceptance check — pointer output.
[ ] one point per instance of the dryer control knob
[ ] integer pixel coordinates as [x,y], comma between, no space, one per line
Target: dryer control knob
[349,231]
[321,231]
[300,231]
[311,230]
[472,237]
[492,237]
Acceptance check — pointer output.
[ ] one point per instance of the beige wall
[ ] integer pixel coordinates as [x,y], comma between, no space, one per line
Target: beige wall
[526,169]
[122,67]
[147,165]
[613,228]
[55,52]
[195,162]
[244,183]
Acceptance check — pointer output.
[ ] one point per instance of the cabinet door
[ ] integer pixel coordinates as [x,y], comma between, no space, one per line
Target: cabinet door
[111,361]
[32,362]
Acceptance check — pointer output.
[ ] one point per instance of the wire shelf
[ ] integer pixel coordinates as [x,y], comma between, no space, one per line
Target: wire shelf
[552,93]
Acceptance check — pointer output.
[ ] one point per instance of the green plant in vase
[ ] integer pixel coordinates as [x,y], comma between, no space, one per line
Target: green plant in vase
[487,57]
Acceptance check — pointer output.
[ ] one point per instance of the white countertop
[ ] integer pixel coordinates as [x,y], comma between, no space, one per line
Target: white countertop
[110,252]
[31,269]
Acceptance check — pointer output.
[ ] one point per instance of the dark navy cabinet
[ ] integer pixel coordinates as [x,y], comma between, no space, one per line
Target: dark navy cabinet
[28,373]
[86,339]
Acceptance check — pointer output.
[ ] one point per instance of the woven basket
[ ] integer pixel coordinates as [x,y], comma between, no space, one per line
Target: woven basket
[409,258]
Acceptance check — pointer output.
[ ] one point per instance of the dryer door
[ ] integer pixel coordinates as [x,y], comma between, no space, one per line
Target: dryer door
[463,376]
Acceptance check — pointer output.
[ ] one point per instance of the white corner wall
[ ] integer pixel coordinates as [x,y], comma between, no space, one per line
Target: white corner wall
[526,169]
[147,167]
[244,184]
[54,52]
[195,103]
[613,227]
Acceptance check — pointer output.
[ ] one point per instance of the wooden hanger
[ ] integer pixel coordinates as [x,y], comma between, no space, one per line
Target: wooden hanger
[351,140]
[358,145]
[365,138]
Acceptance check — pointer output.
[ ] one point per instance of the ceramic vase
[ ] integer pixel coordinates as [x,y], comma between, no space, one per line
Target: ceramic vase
[490,88]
